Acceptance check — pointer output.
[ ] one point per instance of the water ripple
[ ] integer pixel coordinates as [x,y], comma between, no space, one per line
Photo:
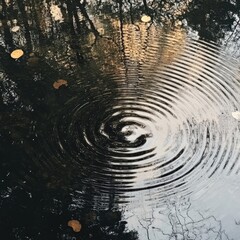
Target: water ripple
[166,125]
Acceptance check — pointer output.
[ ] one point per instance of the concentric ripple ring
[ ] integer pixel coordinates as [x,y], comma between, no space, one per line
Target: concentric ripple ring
[167,125]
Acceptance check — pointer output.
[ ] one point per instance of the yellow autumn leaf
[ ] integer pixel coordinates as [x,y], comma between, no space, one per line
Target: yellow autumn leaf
[145,18]
[17,53]
[75,225]
[59,83]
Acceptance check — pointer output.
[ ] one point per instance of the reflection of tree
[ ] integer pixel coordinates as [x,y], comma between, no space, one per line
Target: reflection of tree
[146,224]
[104,225]
[164,11]
[83,18]
[69,43]
[31,202]
[185,224]
[212,18]
[67,46]
[43,214]
[66,42]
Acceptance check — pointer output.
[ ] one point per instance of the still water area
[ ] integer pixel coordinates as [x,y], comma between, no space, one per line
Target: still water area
[123,116]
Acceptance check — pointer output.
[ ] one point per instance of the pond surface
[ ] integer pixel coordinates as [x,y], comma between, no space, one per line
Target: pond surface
[122,115]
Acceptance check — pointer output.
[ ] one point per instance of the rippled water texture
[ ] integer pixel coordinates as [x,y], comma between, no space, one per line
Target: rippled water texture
[166,125]
[122,116]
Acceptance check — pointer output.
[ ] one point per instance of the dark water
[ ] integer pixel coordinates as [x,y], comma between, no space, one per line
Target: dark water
[143,142]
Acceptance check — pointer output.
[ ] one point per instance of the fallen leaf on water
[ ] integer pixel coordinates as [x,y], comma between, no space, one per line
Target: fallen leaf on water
[15,28]
[236,115]
[17,53]
[75,225]
[59,83]
[56,13]
[145,18]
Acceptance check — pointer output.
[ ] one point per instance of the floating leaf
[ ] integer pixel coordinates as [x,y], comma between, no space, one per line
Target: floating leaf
[56,13]
[15,28]
[75,225]
[236,115]
[17,54]
[145,18]
[59,83]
